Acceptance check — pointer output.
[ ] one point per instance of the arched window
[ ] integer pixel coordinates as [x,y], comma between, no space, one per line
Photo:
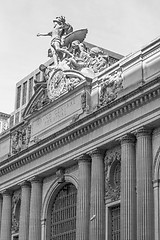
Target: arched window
[63,214]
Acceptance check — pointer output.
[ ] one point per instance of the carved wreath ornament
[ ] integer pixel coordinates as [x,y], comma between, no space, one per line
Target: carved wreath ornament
[110,87]
[20,138]
[112,162]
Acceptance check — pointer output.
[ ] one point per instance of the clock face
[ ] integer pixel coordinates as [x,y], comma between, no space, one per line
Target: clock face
[56,84]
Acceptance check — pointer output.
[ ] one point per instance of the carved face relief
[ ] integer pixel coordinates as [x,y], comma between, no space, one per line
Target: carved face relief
[56,84]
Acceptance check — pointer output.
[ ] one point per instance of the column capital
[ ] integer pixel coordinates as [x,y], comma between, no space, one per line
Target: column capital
[24,184]
[6,192]
[127,138]
[96,151]
[83,158]
[36,179]
[143,131]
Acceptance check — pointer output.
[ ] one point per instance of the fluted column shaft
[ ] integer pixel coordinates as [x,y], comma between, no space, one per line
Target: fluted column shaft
[1,202]
[128,189]
[6,216]
[156,209]
[35,210]
[83,198]
[24,211]
[97,212]
[145,208]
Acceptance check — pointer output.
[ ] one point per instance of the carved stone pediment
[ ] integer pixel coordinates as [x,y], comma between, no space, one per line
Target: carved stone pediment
[59,83]
[38,101]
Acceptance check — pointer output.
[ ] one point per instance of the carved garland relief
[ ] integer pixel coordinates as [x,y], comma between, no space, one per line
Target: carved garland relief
[16,202]
[112,163]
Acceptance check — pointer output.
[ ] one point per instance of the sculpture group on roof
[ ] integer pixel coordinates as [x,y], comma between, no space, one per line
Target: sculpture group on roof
[70,53]
[69,50]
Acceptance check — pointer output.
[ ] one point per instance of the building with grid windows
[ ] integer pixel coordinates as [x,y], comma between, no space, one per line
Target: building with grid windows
[80,158]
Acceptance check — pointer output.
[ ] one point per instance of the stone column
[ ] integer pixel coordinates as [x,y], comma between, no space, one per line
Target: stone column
[145,206]
[24,211]
[128,188]
[35,209]
[6,216]
[1,202]
[97,211]
[83,198]
[156,209]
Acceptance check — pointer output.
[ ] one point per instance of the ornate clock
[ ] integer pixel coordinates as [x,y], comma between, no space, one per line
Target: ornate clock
[56,84]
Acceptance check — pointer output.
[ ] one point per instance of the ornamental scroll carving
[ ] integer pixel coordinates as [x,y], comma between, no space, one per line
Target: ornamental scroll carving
[110,87]
[112,163]
[16,203]
[20,139]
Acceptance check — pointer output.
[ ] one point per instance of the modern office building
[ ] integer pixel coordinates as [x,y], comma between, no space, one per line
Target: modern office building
[81,157]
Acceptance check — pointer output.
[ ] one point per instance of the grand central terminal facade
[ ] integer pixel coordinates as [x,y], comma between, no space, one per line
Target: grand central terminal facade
[80,158]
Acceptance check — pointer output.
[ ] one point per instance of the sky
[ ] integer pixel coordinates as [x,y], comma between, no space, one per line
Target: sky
[120,26]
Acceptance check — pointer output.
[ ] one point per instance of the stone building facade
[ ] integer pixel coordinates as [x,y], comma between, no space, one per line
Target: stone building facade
[83,162]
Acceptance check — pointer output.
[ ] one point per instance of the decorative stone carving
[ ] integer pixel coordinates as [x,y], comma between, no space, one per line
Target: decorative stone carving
[41,101]
[112,163]
[84,100]
[70,52]
[16,201]
[60,30]
[46,71]
[61,82]
[60,174]
[110,87]
[20,138]
[72,82]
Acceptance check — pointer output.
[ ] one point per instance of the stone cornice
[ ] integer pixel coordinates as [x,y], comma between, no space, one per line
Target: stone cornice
[81,127]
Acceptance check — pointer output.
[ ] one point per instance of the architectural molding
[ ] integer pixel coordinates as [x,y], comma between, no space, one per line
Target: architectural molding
[53,190]
[156,166]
